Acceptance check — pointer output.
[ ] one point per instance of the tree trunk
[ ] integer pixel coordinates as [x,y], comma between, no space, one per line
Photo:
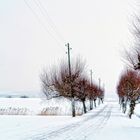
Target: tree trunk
[120,100]
[102,100]
[91,104]
[132,107]
[73,107]
[94,103]
[84,106]
[98,101]
[124,106]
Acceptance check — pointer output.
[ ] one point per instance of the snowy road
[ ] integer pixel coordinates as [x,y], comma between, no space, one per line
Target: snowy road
[91,124]
[105,122]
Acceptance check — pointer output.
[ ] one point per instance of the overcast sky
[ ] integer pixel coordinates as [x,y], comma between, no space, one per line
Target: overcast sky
[29,41]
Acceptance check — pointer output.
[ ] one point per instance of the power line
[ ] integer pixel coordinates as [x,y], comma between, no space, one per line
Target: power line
[43,25]
[45,13]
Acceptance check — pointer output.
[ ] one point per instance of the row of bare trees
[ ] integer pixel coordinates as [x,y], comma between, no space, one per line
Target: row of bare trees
[56,82]
[128,88]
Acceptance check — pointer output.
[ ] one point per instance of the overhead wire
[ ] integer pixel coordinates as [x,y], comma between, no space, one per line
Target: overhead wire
[45,13]
[42,24]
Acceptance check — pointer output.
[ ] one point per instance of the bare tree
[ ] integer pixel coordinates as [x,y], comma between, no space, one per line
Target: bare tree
[101,94]
[48,83]
[128,90]
[92,94]
[57,82]
[132,57]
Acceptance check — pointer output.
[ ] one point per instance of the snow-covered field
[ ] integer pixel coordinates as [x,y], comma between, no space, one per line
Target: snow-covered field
[105,122]
[38,106]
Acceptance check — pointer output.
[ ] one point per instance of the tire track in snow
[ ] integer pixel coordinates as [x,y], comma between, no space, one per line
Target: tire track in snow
[66,128]
[91,129]
[87,123]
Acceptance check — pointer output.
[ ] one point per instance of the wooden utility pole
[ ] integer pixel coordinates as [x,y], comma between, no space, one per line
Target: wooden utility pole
[69,62]
[99,83]
[91,76]
[99,90]
[91,102]
[71,91]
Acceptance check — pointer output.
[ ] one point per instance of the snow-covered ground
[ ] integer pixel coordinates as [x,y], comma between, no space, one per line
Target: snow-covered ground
[38,106]
[105,122]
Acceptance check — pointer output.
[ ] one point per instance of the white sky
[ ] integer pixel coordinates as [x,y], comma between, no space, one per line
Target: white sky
[95,29]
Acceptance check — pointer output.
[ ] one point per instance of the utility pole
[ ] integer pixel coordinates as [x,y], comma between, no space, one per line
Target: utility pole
[99,83]
[99,90]
[91,76]
[91,102]
[69,62]
[71,92]
[103,86]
